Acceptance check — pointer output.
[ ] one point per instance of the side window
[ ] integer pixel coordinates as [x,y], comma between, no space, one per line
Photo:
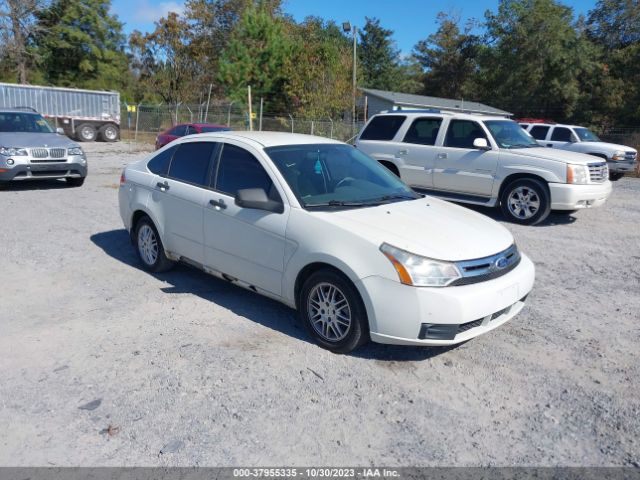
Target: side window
[191,162]
[539,132]
[238,169]
[561,134]
[160,163]
[191,130]
[462,133]
[383,127]
[177,131]
[423,131]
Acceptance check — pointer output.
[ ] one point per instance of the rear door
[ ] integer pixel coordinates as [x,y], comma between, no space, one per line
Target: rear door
[418,151]
[178,199]
[379,140]
[560,137]
[245,243]
[459,166]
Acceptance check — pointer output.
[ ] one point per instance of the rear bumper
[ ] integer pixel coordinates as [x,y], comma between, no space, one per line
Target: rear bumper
[573,197]
[399,314]
[24,172]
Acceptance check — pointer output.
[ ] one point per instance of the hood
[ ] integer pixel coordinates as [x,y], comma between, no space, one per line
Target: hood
[556,154]
[29,140]
[429,227]
[599,146]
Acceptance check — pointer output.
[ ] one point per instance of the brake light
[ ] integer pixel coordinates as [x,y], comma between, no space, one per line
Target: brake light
[123,178]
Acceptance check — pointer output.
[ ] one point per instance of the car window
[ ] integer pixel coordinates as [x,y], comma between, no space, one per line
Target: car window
[539,132]
[23,122]
[462,133]
[239,169]
[190,162]
[191,130]
[383,127]
[561,134]
[160,163]
[423,131]
[177,131]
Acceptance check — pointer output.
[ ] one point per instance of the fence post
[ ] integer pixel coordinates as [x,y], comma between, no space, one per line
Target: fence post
[312,125]
[331,134]
[135,136]
[261,104]
[291,122]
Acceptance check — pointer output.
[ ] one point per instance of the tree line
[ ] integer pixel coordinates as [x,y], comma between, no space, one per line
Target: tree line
[534,58]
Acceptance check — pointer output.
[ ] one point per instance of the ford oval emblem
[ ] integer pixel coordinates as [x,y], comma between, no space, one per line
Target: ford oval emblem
[501,263]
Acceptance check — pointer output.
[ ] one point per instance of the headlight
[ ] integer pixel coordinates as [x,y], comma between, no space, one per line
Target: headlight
[13,151]
[618,155]
[75,151]
[578,174]
[420,271]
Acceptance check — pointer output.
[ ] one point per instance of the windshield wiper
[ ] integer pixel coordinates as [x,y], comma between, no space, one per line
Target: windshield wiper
[337,203]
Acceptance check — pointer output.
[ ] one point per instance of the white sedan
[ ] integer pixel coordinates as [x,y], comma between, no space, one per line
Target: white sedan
[325,229]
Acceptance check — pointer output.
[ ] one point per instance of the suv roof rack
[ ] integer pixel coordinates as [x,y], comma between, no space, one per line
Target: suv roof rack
[535,120]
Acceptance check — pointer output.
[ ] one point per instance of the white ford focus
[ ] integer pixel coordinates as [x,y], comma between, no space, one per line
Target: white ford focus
[325,229]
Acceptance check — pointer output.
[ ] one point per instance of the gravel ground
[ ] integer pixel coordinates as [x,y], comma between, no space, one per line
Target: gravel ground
[104,364]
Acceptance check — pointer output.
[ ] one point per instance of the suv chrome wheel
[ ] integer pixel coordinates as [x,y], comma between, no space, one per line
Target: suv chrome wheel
[524,202]
[329,312]
[147,245]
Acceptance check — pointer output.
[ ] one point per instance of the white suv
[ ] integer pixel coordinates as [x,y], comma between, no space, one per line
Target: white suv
[620,158]
[484,160]
[322,227]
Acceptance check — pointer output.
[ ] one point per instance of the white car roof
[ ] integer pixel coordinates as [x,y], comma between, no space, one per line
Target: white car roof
[462,116]
[552,124]
[265,139]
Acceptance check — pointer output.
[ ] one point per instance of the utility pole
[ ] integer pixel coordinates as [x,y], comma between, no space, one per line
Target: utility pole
[347,27]
[250,111]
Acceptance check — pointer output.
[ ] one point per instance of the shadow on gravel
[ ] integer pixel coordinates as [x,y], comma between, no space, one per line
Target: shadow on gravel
[186,279]
[19,186]
[554,218]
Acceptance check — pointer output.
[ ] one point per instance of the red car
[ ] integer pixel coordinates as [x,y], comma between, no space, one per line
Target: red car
[183,129]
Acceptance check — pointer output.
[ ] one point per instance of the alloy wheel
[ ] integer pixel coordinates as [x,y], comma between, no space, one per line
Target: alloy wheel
[329,312]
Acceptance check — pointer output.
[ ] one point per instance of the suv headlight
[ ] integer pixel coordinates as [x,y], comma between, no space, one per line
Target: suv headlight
[577,174]
[618,155]
[75,151]
[13,151]
[420,271]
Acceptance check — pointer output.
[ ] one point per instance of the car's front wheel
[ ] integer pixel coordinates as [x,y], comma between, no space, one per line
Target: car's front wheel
[526,201]
[332,311]
[149,247]
[75,181]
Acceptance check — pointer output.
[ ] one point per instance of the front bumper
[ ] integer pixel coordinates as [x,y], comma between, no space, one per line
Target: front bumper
[398,312]
[566,196]
[621,166]
[74,167]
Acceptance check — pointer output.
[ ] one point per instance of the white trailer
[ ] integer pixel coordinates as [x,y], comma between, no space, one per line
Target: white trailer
[85,115]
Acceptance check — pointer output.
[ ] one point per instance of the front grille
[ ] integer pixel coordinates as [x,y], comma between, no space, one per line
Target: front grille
[47,173]
[40,155]
[487,268]
[56,152]
[463,327]
[39,152]
[630,156]
[598,172]
[49,160]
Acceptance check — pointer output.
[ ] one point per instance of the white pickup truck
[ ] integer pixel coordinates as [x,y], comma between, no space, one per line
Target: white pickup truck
[620,158]
[484,160]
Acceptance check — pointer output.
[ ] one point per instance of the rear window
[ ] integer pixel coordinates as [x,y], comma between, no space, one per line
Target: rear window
[383,127]
[160,163]
[539,132]
[191,162]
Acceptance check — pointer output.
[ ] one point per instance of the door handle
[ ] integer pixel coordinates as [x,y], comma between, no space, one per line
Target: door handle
[550,145]
[442,155]
[164,186]
[403,152]
[218,203]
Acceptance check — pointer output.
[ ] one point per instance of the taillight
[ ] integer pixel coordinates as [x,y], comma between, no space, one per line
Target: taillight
[123,178]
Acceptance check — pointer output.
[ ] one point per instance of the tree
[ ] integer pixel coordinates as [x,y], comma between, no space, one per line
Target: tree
[256,55]
[448,58]
[378,56]
[17,25]
[81,44]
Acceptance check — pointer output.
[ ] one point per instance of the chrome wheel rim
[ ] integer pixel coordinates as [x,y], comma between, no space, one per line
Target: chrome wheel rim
[86,133]
[147,245]
[523,202]
[329,312]
[110,133]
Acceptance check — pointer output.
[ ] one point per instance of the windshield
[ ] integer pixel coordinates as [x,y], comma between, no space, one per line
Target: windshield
[214,129]
[586,135]
[23,122]
[335,175]
[508,134]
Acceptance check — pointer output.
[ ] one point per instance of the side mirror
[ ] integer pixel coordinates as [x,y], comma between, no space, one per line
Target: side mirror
[257,199]
[60,131]
[481,144]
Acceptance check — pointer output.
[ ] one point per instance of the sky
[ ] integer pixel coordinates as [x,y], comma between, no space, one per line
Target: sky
[410,20]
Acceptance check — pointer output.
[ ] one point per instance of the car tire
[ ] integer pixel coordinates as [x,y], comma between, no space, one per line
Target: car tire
[149,247]
[615,176]
[526,201]
[109,133]
[332,311]
[86,133]
[75,181]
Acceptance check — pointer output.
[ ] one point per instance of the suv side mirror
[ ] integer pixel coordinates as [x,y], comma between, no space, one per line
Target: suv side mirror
[257,199]
[481,144]
[60,131]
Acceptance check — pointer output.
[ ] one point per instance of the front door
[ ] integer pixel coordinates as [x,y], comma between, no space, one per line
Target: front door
[244,243]
[459,166]
[560,137]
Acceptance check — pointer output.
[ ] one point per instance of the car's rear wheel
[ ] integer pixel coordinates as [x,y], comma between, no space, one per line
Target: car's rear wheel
[149,247]
[86,133]
[526,201]
[108,133]
[75,181]
[332,312]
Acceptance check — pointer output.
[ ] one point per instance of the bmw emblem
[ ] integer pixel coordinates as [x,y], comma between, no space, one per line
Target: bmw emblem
[501,263]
